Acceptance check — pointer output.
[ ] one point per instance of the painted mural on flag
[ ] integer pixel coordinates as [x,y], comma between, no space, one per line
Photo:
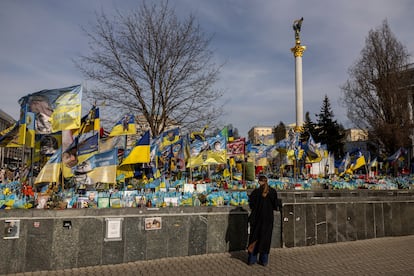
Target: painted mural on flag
[55,109]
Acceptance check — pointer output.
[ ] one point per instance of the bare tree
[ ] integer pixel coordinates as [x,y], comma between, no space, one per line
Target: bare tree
[150,63]
[377,95]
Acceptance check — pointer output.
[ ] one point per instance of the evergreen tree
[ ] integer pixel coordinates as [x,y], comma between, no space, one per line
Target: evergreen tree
[328,131]
[279,132]
[309,128]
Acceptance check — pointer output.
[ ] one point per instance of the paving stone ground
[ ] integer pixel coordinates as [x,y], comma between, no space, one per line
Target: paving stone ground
[381,256]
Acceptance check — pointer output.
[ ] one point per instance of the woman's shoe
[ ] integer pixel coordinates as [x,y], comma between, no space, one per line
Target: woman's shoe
[264,259]
[251,259]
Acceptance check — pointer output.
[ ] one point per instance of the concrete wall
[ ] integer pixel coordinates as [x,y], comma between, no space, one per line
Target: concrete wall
[307,218]
[45,243]
[318,222]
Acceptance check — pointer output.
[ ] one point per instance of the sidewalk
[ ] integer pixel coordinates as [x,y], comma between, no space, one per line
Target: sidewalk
[382,256]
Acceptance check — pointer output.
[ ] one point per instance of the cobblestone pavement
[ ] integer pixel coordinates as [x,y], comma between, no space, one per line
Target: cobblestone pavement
[382,256]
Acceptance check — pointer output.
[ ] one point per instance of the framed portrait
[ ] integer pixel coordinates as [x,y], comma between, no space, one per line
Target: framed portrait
[11,229]
[153,223]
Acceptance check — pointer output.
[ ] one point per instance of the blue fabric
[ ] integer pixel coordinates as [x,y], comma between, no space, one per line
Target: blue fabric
[263,259]
[252,259]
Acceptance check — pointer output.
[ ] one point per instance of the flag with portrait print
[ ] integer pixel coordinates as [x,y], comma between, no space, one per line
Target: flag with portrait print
[213,150]
[55,109]
[170,136]
[99,168]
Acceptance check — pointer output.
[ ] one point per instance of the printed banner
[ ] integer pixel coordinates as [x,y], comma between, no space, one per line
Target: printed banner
[210,151]
[236,147]
[170,137]
[100,168]
[55,109]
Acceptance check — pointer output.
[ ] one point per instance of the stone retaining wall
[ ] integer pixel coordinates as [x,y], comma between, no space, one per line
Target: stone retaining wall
[64,239]
[329,216]
[53,239]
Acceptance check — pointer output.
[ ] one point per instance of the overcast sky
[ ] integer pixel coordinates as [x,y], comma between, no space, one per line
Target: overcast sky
[39,40]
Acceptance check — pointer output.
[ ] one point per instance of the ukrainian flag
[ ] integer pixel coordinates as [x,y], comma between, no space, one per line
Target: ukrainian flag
[140,153]
[51,170]
[125,126]
[359,162]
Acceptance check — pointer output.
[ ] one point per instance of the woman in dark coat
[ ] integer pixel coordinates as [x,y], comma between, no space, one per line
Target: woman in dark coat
[262,202]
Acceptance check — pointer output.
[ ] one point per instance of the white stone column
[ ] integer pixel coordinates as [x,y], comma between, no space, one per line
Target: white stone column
[298,53]
[299,91]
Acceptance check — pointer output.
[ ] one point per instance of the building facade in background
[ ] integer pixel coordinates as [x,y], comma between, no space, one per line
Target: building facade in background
[261,135]
[9,156]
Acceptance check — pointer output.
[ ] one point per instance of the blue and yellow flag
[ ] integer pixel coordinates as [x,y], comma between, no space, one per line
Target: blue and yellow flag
[90,122]
[51,170]
[100,167]
[30,130]
[211,151]
[230,136]
[359,162]
[125,126]
[84,141]
[68,110]
[170,137]
[312,150]
[55,109]
[13,136]
[123,172]
[83,146]
[198,135]
[140,153]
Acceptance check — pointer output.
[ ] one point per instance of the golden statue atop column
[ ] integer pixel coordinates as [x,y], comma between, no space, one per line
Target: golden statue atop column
[298,49]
